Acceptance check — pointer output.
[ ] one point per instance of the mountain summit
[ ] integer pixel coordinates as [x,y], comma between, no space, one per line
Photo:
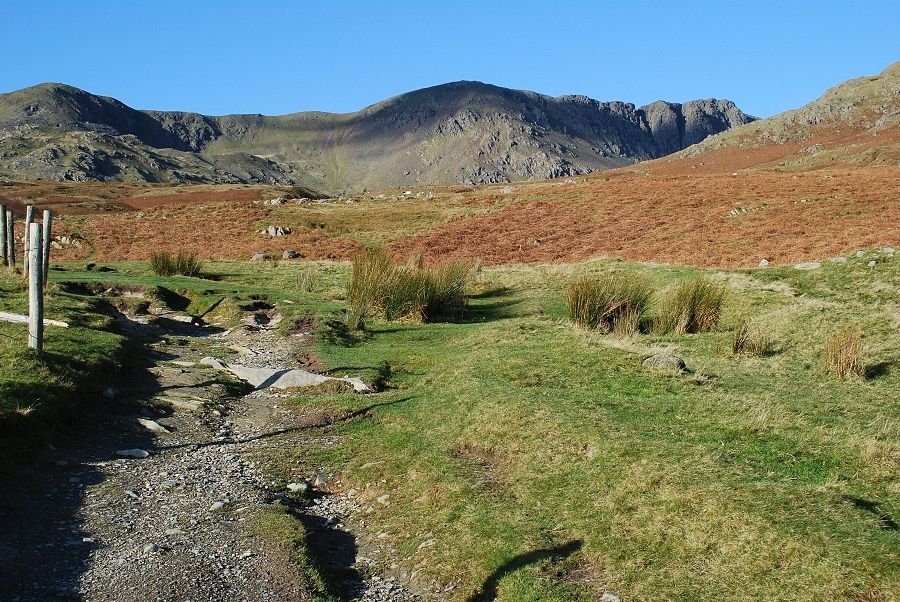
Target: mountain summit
[461,132]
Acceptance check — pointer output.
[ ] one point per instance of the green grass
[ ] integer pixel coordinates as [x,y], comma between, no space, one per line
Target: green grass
[42,398]
[614,302]
[510,434]
[752,477]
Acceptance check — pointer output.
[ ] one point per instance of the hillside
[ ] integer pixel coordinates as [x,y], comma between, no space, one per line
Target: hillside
[463,132]
[854,124]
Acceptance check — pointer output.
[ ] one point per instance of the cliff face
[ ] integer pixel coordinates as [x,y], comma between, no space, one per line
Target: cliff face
[463,132]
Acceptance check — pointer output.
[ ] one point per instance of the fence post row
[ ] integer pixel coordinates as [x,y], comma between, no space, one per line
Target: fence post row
[45,254]
[35,289]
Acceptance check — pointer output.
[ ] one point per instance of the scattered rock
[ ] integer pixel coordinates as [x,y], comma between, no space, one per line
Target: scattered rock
[216,506]
[291,254]
[888,250]
[809,265]
[320,480]
[133,453]
[871,264]
[763,263]
[610,597]
[151,548]
[152,425]
[278,230]
[280,378]
[383,499]
[664,361]
[174,532]
[860,254]
[839,259]
[259,257]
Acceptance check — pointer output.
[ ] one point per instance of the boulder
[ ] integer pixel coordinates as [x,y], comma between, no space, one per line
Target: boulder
[291,254]
[259,257]
[664,361]
[763,263]
[273,230]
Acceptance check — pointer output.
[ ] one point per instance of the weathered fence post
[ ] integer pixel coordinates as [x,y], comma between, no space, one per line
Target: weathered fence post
[29,219]
[35,290]
[45,251]
[10,240]
[3,260]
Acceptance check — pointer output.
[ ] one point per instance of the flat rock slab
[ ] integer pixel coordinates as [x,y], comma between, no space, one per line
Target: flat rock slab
[280,378]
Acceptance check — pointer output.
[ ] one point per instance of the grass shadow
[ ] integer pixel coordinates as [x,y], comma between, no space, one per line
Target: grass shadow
[488,590]
[885,520]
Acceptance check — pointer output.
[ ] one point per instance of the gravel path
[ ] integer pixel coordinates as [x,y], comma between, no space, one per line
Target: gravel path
[94,524]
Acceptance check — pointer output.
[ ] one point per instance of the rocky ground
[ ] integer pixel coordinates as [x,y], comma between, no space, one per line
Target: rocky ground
[100,522]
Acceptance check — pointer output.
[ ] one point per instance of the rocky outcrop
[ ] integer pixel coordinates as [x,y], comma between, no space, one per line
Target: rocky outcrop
[463,132]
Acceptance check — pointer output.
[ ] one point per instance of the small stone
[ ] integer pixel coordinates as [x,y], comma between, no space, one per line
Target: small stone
[151,548]
[131,494]
[88,540]
[610,597]
[860,254]
[320,480]
[763,263]
[871,264]
[173,532]
[133,453]
[290,254]
[259,257]
[169,484]
[887,250]
[152,425]
[383,499]
[839,259]
[246,554]
[297,487]
[664,361]
[216,506]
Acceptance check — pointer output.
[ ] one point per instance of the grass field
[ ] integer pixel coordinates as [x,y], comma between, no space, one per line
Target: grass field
[532,459]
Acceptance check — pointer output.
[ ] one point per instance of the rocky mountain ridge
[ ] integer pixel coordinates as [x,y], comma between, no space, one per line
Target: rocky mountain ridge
[462,132]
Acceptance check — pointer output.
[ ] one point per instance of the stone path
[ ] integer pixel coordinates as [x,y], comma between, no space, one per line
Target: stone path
[178,524]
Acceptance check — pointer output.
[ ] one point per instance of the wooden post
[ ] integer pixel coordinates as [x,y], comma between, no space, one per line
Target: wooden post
[45,251]
[29,219]
[3,260]
[35,290]
[10,240]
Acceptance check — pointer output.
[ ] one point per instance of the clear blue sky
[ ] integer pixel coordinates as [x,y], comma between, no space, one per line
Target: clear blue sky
[224,56]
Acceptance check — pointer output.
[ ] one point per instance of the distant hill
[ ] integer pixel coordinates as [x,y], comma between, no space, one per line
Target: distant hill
[463,132]
[856,124]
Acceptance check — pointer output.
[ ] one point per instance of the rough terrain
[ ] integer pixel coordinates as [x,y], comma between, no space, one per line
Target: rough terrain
[462,132]
[182,523]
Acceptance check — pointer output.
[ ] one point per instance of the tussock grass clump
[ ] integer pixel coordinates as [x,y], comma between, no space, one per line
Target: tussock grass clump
[612,303]
[693,306]
[164,263]
[843,353]
[378,286]
[747,338]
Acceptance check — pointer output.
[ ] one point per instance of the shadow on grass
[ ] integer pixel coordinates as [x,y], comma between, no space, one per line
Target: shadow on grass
[488,590]
[879,370]
[337,333]
[885,520]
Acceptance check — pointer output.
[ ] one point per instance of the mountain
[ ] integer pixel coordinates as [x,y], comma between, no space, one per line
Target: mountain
[463,132]
[855,124]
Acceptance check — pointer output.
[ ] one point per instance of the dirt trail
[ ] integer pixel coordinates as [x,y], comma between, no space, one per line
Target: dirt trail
[91,524]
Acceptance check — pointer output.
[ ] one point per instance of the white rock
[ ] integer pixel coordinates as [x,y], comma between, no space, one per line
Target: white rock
[839,259]
[216,506]
[152,425]
[871,264]
[172,532]
[383,499]
[610,597]
[320,480]
[860,254]
[888,250]
[133,453]
[763,263]
[151,548]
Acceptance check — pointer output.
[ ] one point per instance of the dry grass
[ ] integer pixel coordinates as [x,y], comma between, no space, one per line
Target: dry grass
[693,306]
[843,353]
[379,286]
[612,303]
[748,338]
[163,263]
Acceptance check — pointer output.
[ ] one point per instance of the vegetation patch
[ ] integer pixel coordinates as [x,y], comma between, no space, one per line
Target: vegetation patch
[612,303]
[694,305]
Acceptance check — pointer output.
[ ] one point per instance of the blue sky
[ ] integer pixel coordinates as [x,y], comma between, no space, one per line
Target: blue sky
[280,57]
